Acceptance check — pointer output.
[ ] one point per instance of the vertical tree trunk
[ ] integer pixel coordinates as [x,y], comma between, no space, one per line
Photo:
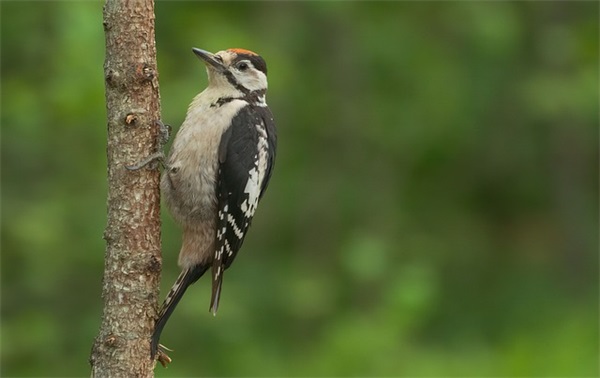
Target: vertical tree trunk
[132,260]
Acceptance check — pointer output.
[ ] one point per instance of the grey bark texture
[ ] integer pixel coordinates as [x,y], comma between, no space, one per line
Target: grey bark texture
[132,258]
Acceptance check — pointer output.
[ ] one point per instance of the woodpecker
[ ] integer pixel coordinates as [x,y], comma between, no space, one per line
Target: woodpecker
[217,170]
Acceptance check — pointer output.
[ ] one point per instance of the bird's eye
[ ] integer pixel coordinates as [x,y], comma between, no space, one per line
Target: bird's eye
[242,66]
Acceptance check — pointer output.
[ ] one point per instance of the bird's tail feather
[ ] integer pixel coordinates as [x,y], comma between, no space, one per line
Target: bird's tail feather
[217,281]
[185,279]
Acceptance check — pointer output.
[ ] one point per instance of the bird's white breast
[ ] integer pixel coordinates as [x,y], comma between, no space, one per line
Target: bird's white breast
[190,181]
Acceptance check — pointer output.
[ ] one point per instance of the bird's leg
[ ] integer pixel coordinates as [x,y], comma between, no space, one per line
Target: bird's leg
[164,131]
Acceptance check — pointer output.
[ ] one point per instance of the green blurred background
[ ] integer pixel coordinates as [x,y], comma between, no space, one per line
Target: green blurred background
[433,211]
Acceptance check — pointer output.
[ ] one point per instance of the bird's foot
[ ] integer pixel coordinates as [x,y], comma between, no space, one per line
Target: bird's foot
[150,161]
[161,355]
[164,131]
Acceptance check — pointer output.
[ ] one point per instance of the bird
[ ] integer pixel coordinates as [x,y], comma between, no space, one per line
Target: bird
[217,171]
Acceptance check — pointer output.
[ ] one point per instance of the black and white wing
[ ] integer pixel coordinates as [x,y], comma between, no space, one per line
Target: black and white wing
[246,157]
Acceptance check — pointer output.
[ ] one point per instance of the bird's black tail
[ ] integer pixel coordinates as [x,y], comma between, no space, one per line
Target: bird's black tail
[217,281]
[185,279]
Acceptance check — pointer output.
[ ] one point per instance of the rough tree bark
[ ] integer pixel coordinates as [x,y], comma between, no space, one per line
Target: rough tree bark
[132,259]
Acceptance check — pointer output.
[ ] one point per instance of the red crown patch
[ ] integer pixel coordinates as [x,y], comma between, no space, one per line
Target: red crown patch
[242,51]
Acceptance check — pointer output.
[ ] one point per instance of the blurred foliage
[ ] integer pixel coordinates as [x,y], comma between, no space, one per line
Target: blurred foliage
[433,212]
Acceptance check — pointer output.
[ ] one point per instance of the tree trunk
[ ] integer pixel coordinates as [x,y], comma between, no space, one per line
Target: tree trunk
[132,260]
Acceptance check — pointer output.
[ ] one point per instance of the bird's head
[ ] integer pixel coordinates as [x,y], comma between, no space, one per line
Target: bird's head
[239,69]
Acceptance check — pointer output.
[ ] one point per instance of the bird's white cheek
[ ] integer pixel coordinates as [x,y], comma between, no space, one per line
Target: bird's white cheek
[255,81]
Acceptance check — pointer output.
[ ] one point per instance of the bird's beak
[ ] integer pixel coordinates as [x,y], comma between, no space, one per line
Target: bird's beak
[209,59]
